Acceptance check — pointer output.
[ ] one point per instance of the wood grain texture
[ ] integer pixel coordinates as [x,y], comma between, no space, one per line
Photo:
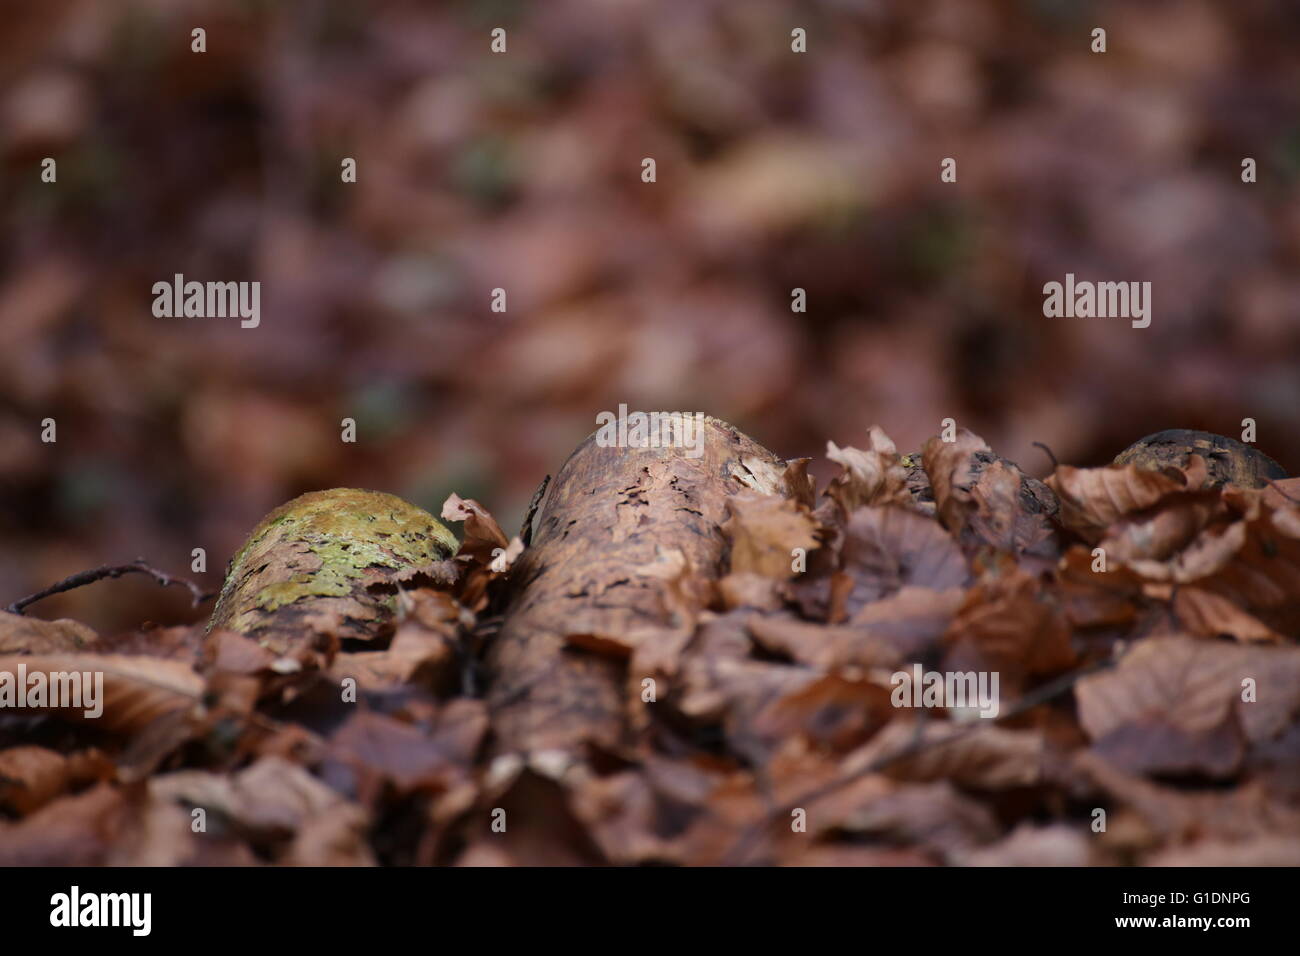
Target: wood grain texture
[604,574]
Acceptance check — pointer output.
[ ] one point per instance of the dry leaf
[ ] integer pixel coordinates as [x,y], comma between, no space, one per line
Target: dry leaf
[136,690]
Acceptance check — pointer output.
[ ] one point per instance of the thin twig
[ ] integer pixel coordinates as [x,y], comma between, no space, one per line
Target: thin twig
[1055,463]
[109,571]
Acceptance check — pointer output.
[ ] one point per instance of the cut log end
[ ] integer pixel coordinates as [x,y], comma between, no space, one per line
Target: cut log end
[329,562]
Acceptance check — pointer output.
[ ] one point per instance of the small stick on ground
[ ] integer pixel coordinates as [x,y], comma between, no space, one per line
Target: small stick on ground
[83,578]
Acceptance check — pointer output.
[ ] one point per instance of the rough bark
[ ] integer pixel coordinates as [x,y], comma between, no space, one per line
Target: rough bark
[1229,461]
[329,563]
[624,535]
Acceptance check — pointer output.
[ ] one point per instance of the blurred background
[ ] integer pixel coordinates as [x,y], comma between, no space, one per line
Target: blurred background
[523,171]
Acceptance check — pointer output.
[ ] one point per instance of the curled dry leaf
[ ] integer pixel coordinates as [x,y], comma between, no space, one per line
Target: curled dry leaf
[1092,499]
[935,816]
[875,476]
[1270,850]
[1093,597]
[415,656]
[31,776]
[372,751]
[913,619]
[823,647]
[796,484]
[1160,532]
[835,711]
[483,536]
[28,635]
[1252,811]
[271,799]
[1010,624]
[1254,562]
[950,467]
[763,531]
[1208,614]
[80,830]
[231,653]
[1279,494]
[1176,704]
[136,690]
[889,548]
[1010,513]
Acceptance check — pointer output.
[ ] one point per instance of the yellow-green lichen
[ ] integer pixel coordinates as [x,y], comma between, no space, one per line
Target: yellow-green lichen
[328,545]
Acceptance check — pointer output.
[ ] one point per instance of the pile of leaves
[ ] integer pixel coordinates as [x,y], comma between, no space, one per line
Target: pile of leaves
[1143,625]
[522,171]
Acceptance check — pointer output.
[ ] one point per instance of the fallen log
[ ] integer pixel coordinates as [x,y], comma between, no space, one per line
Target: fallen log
[625,537]
[1229,461]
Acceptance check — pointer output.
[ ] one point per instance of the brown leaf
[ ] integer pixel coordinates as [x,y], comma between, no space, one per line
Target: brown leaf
[1174,703]
[913,620]
[29,635]
[951,469]
[889,548]
[763,531]
[1270,850]
[871,477]
[936,816]
[1010,624]
[1249,812]
[415,656]
[1096,598]
[1006,514]
[981,756]
[1162,531]
[1253,562]
[796,484]
[337,836]
[136,690]
[482,533]
[1092,499]
[31,777]
[835,711]
[372,750]
[750,591]
[233,653]
[80,830]
[823,647]
[1212,615]
[271,799]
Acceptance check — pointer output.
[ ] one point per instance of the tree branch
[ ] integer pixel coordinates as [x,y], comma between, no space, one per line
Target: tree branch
[83,578]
